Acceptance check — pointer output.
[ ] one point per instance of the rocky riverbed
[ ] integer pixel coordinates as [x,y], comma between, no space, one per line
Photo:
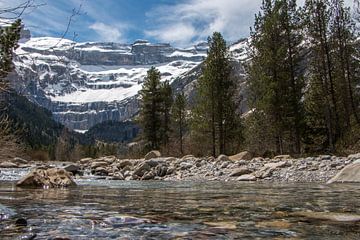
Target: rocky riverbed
[239,167]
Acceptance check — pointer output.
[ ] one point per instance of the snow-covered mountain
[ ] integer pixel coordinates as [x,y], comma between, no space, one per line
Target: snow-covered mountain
[87,83]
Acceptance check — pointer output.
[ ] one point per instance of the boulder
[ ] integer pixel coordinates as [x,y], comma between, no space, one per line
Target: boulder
[239,171]
[101,171]
[354,156]
[18,160]
[152,154]
[99,164]
[282,157]
[85,160]
[247,177]
[187,157]
[148,176]
[349,174]
[125,163]
[154,162]
[241,156]
[161,170]
[222,158]
[8,164]
[50,178]
[142,169]
[72,168]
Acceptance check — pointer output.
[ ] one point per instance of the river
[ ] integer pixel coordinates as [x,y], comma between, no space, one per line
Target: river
[100,209]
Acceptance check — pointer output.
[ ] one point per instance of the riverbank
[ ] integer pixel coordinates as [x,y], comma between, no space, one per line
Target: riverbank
[189,168]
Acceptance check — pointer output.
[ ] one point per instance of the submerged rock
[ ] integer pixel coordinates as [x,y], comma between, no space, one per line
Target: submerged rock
[329,216]
[349,174]
[52,178]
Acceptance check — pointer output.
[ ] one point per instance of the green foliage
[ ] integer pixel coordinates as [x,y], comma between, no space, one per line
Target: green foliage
[276,79]
[178,112]
[156,102]
[331,100]
[214,115]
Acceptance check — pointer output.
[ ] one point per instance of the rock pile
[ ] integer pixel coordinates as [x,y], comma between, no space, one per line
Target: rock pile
[282,168]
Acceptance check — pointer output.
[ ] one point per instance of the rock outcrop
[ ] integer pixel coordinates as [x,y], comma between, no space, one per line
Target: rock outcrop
[47,178]
[349,174]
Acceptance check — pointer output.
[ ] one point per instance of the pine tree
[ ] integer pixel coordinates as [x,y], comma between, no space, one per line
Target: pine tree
[343,40]
[9,37]
[275,76]
[150,109]
[322,98]
[166,104]
[179,118]
[215,108]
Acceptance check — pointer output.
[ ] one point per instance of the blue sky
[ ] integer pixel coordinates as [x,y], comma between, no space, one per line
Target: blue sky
[179,22]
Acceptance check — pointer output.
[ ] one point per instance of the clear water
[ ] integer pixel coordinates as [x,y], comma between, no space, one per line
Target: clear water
[99,209]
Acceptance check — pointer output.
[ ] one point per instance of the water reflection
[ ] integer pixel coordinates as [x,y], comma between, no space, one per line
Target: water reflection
[183,210]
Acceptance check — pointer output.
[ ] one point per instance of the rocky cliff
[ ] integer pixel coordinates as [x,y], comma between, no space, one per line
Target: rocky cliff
[83,84]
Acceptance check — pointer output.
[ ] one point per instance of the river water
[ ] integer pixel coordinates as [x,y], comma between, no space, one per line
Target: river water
[100,209]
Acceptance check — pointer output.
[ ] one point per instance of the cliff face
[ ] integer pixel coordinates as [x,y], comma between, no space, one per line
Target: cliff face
[83,84]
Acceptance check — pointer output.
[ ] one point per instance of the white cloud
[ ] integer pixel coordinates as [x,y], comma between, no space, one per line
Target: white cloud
[194,20]
[106,32]
[180,33]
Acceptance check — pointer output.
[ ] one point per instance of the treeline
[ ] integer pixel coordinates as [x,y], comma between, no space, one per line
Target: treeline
[302,85]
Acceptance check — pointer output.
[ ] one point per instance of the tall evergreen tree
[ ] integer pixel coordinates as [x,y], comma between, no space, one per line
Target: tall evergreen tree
[215,108]
[330,99]
[179,118]
[166,104]
[346,67]
[150,109]
[276,77]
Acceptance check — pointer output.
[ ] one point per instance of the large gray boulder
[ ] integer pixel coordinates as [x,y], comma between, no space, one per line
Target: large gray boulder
[349,174]
[49,178]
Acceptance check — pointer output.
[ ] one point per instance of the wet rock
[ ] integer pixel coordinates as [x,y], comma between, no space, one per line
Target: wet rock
[118,176]
[349,174]
[52,178]
[152,154]
[148,176]
[21,222]
[142,169]
[8,164]
[239,171]
[72,168]
[161,171]
[247,177]
[328,216]
[241,156]
[222,158]
[101,171]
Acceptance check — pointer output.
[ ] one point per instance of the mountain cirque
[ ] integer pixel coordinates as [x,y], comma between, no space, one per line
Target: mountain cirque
[83,84]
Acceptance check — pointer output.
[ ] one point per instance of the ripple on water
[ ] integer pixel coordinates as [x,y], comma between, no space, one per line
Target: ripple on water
[182,210]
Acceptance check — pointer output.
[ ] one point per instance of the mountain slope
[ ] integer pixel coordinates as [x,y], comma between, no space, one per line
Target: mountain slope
[83,84]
